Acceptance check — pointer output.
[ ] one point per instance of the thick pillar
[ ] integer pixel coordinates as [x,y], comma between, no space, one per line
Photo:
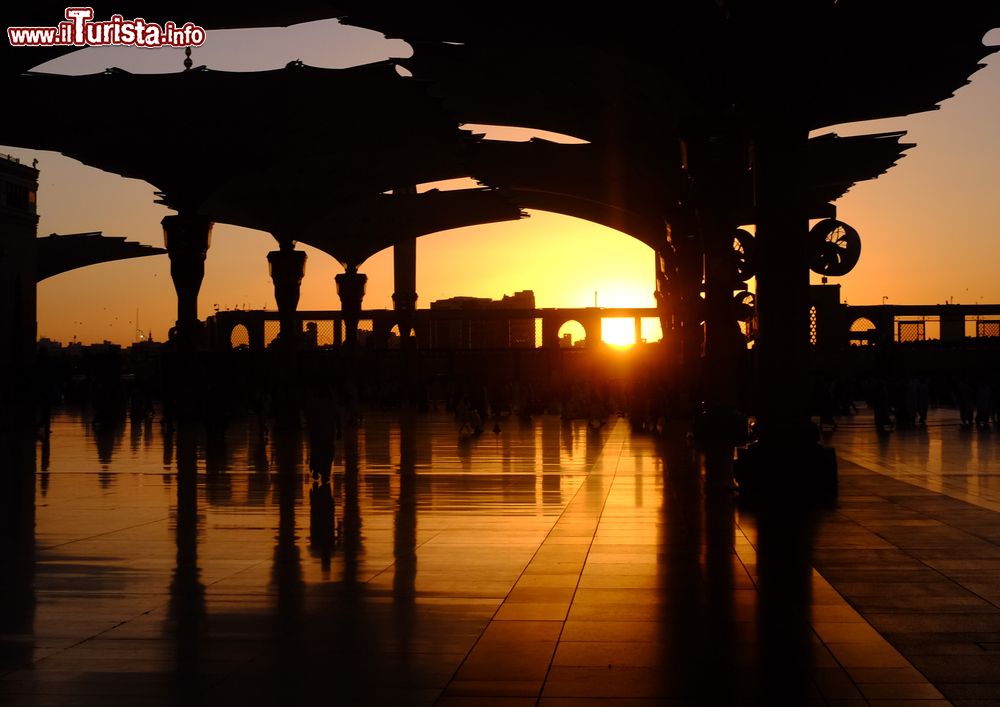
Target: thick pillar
[678,299]
[351,290]
[666,305]
[404,274]
[592,324]
[725,347]
[18,229]
[550,332]
[255,329]
[20,423]
[187,238]
[287,267]
[404,296]
[787,456]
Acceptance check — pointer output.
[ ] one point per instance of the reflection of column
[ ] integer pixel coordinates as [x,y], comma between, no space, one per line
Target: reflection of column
[785,537]
[108,434]
[551,472]
[286,574]
[45,461]
[404,545]
[17,544]
[684,619]
[351,290]
[719,589]
[186,610]
[352,509]
[218,484]
[187,238]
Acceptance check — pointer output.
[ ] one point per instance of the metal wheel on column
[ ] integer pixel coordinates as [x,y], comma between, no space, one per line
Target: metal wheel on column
[745,306]
[835,248]
[743,248]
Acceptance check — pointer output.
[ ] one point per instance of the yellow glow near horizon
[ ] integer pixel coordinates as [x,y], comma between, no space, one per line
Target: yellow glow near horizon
[619,331]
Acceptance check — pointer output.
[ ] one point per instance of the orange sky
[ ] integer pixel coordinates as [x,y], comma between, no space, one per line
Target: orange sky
[928,226]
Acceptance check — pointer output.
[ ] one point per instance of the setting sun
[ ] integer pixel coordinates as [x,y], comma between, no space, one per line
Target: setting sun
[618,331]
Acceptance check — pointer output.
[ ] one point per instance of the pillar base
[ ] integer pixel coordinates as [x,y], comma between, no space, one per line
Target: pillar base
[774,469]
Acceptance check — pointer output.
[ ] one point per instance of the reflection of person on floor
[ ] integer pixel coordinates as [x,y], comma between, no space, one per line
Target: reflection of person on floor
[923,400]
[323,424]
[469,419]
[827,405]
[321,521]
[906,406]
[965,398]
[984,404]
[883,417]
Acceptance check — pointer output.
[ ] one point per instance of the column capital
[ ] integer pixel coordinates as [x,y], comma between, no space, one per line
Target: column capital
[404,300]
[187,233]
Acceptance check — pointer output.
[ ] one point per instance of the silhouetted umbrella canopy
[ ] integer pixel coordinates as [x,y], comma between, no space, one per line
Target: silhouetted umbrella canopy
[352,232]
[644,227]
[587,181]
[256,148]
[61,253]
[690,83]
[302,153]
[841,60]
[211,135]
[835,164]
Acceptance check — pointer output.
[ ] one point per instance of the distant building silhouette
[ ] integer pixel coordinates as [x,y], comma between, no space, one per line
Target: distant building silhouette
[516,333]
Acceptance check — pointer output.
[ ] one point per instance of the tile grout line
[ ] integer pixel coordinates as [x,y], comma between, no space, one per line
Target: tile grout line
[493,618]
[576,587]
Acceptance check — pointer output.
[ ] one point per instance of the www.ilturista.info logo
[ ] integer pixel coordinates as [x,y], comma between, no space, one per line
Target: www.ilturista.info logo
[80,30]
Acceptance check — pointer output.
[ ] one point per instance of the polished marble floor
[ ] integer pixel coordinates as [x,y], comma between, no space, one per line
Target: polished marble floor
[547,564]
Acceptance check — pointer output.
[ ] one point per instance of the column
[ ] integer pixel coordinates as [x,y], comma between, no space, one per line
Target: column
[187,238]
[18,276]
[404,296]
[351,290]
[404,273]
[787,456]
[725,348]
[287,267]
